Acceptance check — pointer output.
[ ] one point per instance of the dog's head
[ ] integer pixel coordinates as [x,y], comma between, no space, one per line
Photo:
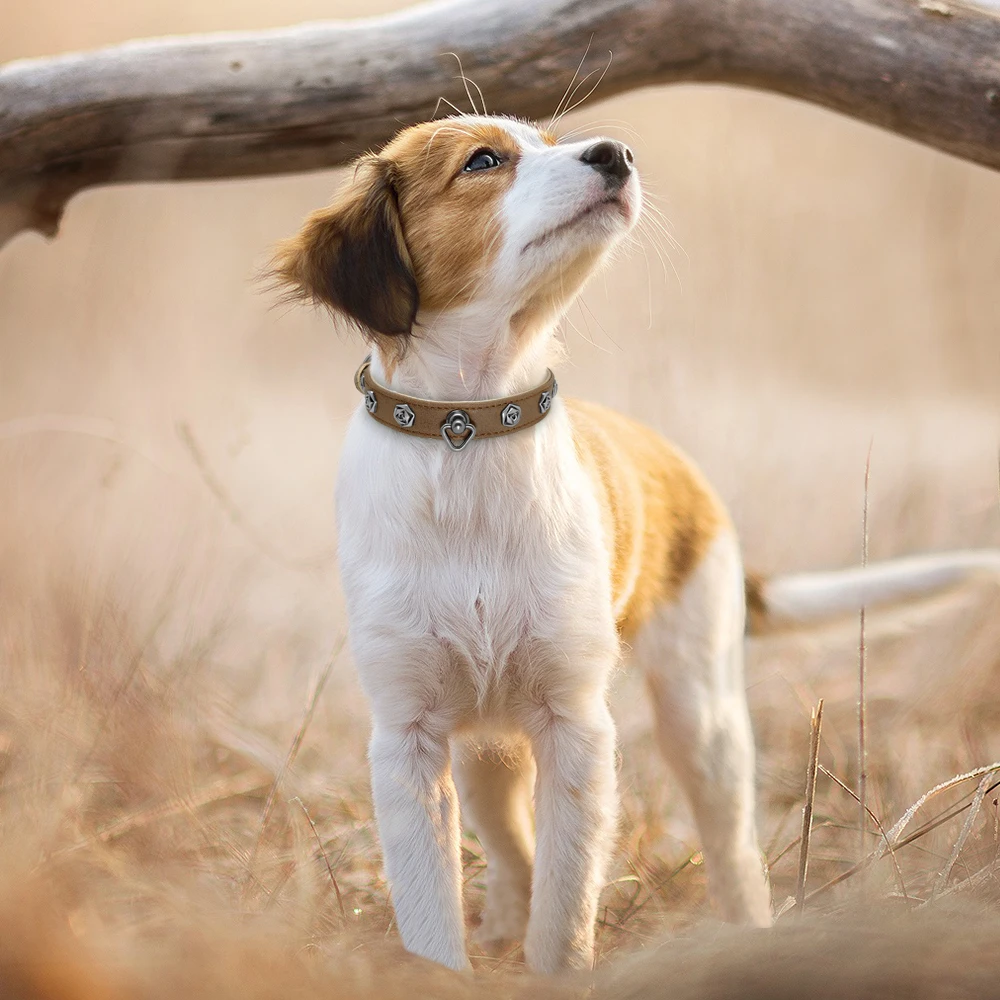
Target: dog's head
[464,210]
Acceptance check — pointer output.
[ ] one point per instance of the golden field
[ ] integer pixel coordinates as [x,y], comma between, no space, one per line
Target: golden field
[183,798]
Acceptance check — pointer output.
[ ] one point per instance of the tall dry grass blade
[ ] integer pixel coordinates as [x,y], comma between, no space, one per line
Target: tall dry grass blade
[941,818]
[99,428]
[928,827]
[131,672]
[631,910]
[990,875]
[324,856]
[296,745]
[236,516]
[942,880]
[862,669]
[892,854]
[904,820]
[779,829]
[807,810]
[219,791]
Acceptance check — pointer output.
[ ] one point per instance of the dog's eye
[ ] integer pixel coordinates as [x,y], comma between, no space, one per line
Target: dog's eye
[482,159]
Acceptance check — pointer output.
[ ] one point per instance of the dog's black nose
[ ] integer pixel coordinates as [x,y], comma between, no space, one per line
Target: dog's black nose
[613,159]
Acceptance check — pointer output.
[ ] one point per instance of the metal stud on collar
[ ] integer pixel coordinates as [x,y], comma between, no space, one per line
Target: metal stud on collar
[403,415]
[510,415]
[458,429]
[416,416]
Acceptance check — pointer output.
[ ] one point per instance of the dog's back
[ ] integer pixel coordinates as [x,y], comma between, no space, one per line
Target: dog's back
[660,514]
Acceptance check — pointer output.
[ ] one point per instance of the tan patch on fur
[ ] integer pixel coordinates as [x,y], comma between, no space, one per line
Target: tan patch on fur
[410,229]
[754,584]
[660,514]
[549,298]
[450,217]
[760,620]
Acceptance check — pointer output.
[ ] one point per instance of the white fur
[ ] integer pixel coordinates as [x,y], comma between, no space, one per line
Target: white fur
[692,655]
[481,620]
[809,597]
[479,604]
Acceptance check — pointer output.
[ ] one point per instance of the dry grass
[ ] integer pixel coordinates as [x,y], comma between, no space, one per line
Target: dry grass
[183,803]
[156,842]
[167,843]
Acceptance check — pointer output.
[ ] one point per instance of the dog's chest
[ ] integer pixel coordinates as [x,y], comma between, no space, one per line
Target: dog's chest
[486,550]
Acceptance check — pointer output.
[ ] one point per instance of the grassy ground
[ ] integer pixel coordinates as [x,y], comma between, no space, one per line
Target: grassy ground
[178,819]
[183,793]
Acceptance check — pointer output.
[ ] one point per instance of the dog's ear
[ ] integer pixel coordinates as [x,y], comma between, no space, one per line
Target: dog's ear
[351,256]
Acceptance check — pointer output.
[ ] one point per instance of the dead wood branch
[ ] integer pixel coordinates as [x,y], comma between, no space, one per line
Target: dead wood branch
[314,96]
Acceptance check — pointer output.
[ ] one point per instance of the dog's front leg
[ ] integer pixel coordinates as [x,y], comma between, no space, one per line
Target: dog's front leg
[575,813]
[416,808]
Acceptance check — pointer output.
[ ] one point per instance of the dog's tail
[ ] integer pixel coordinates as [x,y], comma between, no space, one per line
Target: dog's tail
[802,599]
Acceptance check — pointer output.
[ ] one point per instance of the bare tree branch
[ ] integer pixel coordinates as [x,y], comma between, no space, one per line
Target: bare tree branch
[236,105]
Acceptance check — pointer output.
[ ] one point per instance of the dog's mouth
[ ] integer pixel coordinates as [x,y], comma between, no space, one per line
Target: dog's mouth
[613,203]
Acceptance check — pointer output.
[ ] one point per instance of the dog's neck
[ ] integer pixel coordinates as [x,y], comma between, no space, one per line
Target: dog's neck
[467,354]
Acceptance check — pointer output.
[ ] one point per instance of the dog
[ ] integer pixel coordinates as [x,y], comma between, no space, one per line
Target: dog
[500,545]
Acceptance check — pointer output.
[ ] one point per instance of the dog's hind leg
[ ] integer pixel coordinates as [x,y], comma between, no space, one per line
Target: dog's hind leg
[692,654]
[495,786]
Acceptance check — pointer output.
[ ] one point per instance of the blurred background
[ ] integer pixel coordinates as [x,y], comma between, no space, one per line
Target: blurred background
[169,438]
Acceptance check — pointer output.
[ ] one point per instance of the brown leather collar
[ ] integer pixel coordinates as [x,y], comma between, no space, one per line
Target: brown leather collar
[457,422]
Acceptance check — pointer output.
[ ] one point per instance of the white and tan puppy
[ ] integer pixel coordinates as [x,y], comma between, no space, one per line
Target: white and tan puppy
[491,590]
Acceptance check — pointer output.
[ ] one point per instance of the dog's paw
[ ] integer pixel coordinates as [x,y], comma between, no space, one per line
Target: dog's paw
[498,932]
[497,947]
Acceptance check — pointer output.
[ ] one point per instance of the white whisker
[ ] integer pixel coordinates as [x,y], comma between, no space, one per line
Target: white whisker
[590,93]
[591,126]
[466,81]
[555,114]
[444,100]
